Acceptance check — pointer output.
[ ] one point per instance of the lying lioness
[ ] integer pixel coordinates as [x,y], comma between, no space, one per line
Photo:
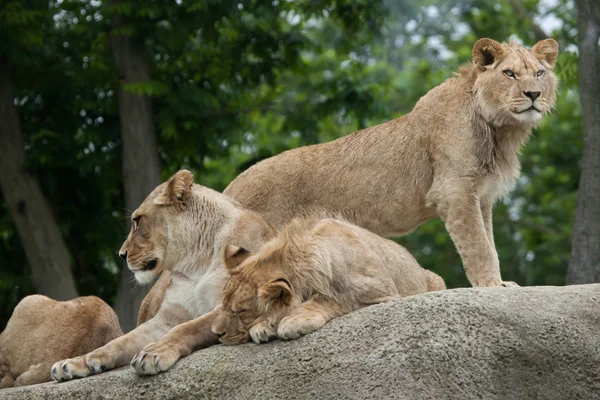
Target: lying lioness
[309,274]
[42,331]
[178,233]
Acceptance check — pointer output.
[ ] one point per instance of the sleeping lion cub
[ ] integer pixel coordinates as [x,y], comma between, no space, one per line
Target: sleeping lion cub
[309,274]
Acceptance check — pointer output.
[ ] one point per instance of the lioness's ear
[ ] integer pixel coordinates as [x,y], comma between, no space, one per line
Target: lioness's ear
[177,189]
[486,52]
[233,256]
[546,50]
[278,290]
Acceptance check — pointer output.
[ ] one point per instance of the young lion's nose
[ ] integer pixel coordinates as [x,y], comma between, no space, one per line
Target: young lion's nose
[533,95]
[123,255]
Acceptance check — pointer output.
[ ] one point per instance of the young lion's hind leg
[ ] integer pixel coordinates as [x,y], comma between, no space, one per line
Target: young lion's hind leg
[308,317]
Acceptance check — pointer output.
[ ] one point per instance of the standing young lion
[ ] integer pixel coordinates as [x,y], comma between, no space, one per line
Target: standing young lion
[42,331]
[451,157]
[309,274]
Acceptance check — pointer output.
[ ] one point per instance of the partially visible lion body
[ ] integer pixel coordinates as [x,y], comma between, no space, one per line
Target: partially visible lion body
[313,272]
[451,157]
[42,331]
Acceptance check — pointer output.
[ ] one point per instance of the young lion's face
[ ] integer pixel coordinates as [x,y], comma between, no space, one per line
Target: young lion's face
[256,297]
[518,85]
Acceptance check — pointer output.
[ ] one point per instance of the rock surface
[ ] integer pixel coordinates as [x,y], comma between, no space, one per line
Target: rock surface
[512,343]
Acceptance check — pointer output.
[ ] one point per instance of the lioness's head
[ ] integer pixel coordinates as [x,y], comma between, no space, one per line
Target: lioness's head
[258,291]
[516,85]
[160,229]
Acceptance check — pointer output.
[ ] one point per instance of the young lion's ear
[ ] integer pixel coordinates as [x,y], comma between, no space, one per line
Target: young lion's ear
[546,50]
[234,256]
[177,189]
[486,52]
[278,291]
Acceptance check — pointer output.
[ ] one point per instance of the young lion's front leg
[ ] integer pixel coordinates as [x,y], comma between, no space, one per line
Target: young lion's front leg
[179,342]
[462,213]
[308,317]
[486,214]
[118,352]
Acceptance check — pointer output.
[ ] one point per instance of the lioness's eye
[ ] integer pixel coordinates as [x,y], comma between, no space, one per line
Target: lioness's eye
[540,73]
[136,222]
[509,73]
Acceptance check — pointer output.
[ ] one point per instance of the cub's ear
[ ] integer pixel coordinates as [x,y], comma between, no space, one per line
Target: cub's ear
[234,256]
[546,50]
[177,189]
[276,291]
[486,52]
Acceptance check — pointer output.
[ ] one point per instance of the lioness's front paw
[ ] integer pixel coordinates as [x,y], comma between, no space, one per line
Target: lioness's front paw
[262,332]
[155,358]
[78,367]
[509,284]
[293,327]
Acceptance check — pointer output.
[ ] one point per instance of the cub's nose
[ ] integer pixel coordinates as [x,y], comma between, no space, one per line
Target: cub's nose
[123,255]
[533,95]
[219,334]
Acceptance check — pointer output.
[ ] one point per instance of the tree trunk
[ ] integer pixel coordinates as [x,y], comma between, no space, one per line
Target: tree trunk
[46,251]
[141,164]
[585,260]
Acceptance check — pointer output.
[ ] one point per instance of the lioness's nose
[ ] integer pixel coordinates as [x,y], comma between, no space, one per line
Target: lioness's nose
[533,95]
[123,255]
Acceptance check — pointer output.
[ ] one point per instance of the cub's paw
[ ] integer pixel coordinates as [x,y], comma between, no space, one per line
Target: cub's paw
[509,284]
[292,327]
[155,358]
[78,367]
[262,333]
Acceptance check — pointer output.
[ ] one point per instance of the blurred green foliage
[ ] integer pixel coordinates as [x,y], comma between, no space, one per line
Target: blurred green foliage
[234,83]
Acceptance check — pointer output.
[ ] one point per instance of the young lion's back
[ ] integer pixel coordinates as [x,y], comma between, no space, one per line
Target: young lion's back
[359,254]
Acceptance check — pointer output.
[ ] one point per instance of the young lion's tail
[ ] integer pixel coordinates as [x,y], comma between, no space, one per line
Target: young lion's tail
[434,281]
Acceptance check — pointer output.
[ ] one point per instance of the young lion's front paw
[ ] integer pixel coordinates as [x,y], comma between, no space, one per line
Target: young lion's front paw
[78,367]
[292,327]
[262,332]
[497,283]
[155,358]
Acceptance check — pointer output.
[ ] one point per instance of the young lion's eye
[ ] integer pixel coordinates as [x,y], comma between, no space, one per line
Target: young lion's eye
[509,73]
[540,73]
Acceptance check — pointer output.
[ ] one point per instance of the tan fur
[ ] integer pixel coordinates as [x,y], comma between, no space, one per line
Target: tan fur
[42,331]
[452,157]
[309,274]
[177,232]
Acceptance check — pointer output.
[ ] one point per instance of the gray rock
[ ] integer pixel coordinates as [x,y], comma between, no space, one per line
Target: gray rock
[512,343]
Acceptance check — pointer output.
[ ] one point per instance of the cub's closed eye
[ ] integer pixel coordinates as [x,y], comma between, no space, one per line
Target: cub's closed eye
[540,73]
[509,73]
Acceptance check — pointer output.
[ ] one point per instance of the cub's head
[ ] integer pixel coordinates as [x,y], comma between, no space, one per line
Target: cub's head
[156,240]
[258,292]
[516,85]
